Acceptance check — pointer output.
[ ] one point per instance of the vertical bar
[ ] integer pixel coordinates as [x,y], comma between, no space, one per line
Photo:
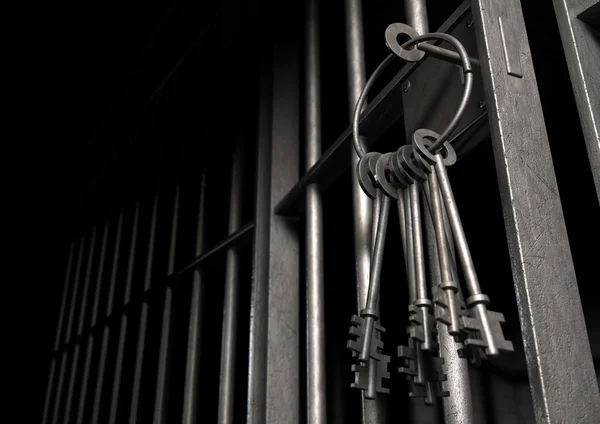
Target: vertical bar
[60,386]
[63,305]
[415,12]
[190,395]
[74,365]
[257,360]
[373,410]
[139,358]
[86,283]
[107,329]
[114,404]
[161,399]
[582,51]
[71,387]
[228,342]
[274,354]
[316,410]
[457,406]
[76,285]
[543,271]
[59,325]
[90,349]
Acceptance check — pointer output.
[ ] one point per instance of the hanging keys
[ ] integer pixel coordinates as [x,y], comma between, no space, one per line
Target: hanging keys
[478,327]
[365,333]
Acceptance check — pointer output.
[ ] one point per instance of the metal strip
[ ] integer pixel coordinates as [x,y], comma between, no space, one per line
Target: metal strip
[60,387]
[231,240]
[85,379]
[86,284]
[283,335]
[141,342]
[68,413]
[373,410]
[76,285]
[101,375]
[582,51]
[231,293]
[59,325]
[257,366]
[161,395]
[101,273]
[190,394]
[543,271]
[63,305]
[316,405]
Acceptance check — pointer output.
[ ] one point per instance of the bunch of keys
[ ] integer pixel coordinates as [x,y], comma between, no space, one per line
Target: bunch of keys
[407,176]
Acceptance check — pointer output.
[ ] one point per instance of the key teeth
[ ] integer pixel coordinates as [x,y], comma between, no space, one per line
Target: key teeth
[361,376]
[473,328]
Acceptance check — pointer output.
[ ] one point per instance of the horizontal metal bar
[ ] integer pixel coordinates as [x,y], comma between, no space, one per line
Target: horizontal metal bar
[378,117]
[234,238]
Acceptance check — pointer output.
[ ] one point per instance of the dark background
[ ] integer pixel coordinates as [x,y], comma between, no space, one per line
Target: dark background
[94,67]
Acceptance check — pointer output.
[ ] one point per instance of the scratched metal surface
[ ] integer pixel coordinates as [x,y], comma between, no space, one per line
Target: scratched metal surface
[561,372]
[582,51]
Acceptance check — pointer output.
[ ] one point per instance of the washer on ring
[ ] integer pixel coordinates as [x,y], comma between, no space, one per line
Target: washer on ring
[391,40]
[382,166]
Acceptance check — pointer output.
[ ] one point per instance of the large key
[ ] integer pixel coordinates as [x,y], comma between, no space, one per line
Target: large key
[448,307]
[483,325]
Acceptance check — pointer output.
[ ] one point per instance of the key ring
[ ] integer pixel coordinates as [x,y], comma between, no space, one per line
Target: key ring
[402,51]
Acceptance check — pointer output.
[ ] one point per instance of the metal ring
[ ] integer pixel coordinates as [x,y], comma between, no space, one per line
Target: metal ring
[381,173]
[391,40]
[365,176]
[421,144]
[405,161]
[478,298]
[467,70]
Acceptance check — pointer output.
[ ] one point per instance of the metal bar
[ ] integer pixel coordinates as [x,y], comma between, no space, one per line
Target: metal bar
[101,273]
[361,203]
[101,375]
[115,264]
[228,342]
[141,342]
[63,304]
[76,285]
[132,252]
[233,239]
[190,394]
[458,408]
[95,302]
[49,390]
[379,115]
[582,51]
[84,380]
[71,387]
[161,395]
[257,360]
[273,381]
[59,325]
[415,12]
[86,283]
[543,271]
[316,406]
[116,389]
[59,388]
[106,334]
[373,411]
